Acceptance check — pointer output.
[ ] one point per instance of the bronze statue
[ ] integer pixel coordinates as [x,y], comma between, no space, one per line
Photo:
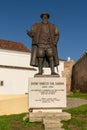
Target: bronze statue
[44,36]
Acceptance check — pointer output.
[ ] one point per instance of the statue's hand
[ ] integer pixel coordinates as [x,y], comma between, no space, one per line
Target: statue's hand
[27,31]
[30,33]
[55,43]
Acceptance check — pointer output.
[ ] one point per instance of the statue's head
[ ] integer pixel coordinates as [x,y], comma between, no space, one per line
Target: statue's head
[45,17]
[46,14]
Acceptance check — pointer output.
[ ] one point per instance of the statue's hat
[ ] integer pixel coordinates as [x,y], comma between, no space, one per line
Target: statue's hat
[44,14]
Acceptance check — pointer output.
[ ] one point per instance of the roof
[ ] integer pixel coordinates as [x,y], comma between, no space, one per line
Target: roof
[62,60]
[15,46]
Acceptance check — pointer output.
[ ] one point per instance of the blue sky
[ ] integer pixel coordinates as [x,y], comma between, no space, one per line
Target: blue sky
[70,16]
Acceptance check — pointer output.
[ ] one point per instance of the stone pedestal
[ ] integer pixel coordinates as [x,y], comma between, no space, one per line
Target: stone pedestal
[47,98]
[51,120]
[40,116]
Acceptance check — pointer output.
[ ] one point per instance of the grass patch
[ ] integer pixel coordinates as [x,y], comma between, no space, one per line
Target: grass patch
[78,120]
[15,122]
[78,110]
[78,95]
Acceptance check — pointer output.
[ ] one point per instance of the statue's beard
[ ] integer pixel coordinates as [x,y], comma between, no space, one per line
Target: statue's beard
[45,21]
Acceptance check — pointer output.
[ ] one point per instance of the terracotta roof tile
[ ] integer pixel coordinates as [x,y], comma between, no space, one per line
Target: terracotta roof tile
[15,46]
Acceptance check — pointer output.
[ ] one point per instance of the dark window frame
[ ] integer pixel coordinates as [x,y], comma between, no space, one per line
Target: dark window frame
[1,83]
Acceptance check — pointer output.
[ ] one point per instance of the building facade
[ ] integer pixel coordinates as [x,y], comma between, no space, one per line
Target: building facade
[15,68]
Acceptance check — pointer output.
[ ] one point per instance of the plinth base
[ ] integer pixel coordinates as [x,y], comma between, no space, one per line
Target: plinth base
[47,75]
[51,121]
[47,98]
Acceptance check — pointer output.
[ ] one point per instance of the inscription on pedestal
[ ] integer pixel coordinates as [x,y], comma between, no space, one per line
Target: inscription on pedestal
[47,92]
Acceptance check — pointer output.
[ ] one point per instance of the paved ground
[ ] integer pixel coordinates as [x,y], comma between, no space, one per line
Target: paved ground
[14,104]
[75,102]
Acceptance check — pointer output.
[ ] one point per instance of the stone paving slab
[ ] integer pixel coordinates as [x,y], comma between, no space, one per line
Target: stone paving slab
[75,102]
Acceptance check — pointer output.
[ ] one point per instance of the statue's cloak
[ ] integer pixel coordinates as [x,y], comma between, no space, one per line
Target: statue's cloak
[35,34]
[34,59]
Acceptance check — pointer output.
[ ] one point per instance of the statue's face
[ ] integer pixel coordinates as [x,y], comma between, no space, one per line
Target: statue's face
[45,19]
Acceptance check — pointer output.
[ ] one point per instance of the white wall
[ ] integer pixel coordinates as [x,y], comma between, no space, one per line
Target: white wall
[60,69]
[15,81]
[14,58]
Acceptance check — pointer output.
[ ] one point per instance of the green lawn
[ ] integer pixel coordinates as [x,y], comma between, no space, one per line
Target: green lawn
[78,95]
[15,122]
[78,120]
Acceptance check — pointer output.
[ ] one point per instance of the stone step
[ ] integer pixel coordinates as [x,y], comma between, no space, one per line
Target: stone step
[39,116]
[51,120]
[53,126]
[59,116]
[52,123]
[54,129]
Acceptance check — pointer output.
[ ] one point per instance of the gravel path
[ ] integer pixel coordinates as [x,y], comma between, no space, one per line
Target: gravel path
[75,102]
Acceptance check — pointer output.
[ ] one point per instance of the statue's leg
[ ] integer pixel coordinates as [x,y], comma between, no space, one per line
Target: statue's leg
[50,54]
[51,62]
[40,55]
[40,65]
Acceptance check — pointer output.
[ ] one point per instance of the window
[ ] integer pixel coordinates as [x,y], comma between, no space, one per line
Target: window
[1,83]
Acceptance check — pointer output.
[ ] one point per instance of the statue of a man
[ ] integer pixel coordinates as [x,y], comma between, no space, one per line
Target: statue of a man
[44,36]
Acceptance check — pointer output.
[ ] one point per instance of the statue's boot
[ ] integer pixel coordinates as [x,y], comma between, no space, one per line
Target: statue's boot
[40,65]
[52,67]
